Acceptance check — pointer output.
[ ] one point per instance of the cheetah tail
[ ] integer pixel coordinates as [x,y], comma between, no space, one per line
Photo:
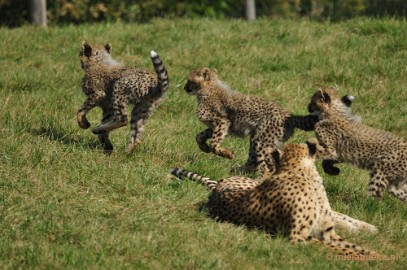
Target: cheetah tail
[160,70]
[205,181]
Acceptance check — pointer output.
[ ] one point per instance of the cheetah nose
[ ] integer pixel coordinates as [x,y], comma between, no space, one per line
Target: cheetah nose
[186,88]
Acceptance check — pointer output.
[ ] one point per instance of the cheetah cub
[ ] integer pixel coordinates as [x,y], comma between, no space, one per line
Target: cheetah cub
[293,199]
[113,87]
[345,139]
[225,111]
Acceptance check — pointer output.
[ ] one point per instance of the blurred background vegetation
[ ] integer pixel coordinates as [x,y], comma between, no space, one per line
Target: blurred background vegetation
[15,13]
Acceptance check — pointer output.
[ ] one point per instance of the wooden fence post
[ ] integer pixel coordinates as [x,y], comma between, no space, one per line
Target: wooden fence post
[38,12]
[250,10]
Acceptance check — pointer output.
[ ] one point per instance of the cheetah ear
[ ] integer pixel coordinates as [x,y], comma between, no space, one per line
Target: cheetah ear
[326,98]
[206,74]
[312,147]
[108,47]
[347,100]
[276,156]
[86,49]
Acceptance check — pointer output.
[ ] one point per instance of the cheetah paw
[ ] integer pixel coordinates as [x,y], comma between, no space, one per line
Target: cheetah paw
[226,153]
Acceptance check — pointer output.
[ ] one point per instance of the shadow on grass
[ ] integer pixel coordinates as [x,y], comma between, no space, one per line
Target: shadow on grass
[203,207]
[69,139]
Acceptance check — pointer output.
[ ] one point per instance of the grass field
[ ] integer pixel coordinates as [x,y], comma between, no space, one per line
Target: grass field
[66,205]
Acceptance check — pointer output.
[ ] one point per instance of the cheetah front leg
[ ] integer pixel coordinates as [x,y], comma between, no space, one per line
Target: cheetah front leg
[91,102]
[139,116]
[201,139]
[219,133]
[353,225]
[104,137]
[119,119]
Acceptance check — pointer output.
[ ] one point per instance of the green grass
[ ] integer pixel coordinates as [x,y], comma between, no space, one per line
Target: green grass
[65,205]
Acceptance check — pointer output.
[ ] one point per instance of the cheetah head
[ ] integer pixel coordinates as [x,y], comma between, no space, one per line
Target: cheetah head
[295,157]
[200,78]
[96,54]
[325,100]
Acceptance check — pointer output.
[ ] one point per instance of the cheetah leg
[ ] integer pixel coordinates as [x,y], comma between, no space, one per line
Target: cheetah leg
[119,119]
[403,186]
[353,225]
[139,116]
[201,139]
[251,163]
[301,224]
[329,167]
[104,136]
[299,235]
[263,149]
[332,240]
[398,192]
[377,183]
[119,110]
[91,102]
[301,232]
[219,133]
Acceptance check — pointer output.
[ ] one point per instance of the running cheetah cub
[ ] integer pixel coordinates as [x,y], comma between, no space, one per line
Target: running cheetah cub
[113,87]
[293,199]
[225,111]
[345,139]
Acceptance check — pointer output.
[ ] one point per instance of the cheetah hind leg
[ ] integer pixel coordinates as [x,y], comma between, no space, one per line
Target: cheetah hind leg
[350,224]
[377,184]
[250,165]
[398,191]
[139,116]
[332,240]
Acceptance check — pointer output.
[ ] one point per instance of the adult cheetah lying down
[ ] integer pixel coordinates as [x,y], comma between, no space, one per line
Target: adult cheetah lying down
[293,199]
[113,87]
[343,138]
[225,111]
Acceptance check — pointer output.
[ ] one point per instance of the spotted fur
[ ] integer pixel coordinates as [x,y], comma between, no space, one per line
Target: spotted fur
[225,111]
[113,87]
[293,199]
[343,138]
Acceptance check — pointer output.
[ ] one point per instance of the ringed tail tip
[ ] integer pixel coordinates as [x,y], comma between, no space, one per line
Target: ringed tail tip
[153,54]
